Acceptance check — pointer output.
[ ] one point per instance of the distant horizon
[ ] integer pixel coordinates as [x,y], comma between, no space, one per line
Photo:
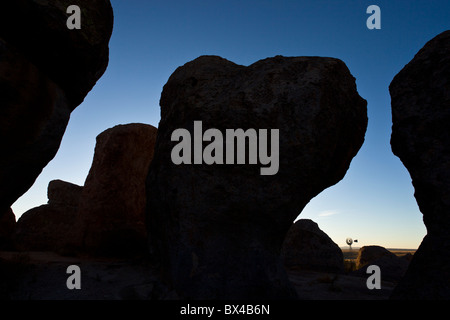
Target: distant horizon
[396,249]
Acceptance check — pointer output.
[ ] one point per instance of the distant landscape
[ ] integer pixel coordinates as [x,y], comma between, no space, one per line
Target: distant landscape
[351,254]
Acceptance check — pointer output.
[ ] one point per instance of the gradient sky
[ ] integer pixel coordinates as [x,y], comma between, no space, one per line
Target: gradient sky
[375,201]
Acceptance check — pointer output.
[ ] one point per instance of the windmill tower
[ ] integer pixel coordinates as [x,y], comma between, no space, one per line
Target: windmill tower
[349,241]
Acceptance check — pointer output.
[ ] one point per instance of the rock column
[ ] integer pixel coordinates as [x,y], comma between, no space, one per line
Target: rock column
[420,98]
[218,228]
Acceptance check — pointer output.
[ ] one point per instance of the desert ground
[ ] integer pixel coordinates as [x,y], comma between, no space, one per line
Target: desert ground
[347,286]
[43,276]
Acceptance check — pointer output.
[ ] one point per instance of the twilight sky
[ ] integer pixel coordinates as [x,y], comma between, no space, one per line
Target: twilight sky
[375,201]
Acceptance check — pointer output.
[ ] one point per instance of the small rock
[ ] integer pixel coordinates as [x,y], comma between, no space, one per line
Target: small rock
[307,247]
[391,266]
[368,254]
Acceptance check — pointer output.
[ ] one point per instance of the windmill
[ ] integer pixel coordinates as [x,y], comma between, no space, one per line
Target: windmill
[349,241]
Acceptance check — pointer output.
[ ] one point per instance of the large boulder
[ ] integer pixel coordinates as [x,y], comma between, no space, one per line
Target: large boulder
[420,98]
[307,247]
[74,59]
[34,114]
[218,228]
[113,201]
[52,226]
[46,70]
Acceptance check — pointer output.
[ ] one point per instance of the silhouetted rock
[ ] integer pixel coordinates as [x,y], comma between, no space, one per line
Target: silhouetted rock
[369,254]
[392,267]
[107,215]
[74,59]
[34,114]
[47,228]
[64,193]
[112,206]
[7,228]
[408,257]
[46,70]
[218,229]
[51,227]
[420,95]
[306,247]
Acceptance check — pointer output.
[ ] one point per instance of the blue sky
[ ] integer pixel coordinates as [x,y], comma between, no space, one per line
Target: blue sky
[374,203]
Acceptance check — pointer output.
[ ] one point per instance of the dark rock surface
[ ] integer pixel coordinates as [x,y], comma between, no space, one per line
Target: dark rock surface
[52,226]
[74,59]
[392,267]
[43,276]
[420,98]
[46,70]
[368,254]
[113,201]
[105,217]
[307,247]
[65,193]
[7,229]
[218,229]
[34,114]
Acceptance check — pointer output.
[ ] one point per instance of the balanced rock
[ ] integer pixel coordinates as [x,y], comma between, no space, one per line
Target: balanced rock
[112,206]
[420,98]
[52,226]
[218,228]
[307,247]
[46,70]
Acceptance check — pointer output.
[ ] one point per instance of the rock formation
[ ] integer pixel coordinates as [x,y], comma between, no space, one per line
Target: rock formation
[112,206]
[391,266]
[7,229]
[420,98]
[51,227]
[369,254]
[307,247]
[64,193]
[46,70]
[218,229]
[105,217]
